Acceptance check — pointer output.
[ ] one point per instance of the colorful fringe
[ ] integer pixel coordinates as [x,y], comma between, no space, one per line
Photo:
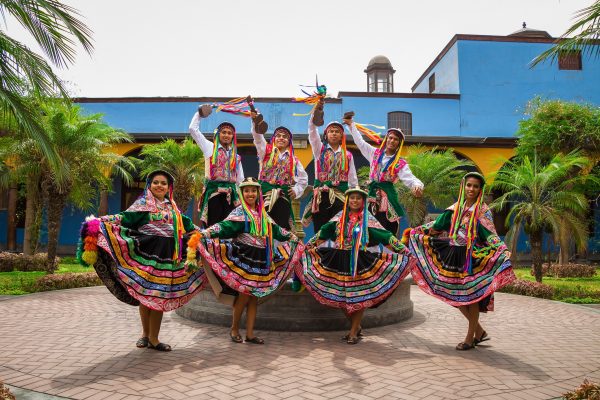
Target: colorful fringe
[379,274]
[371,134]
[311,99]
[87,247]
[393,165]
[259,226]
[359,235]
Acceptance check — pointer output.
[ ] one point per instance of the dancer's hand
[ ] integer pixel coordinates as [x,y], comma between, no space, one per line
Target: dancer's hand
[417,191]
[291,193]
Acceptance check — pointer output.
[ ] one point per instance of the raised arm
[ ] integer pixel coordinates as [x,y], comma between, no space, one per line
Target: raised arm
[259,142]
[352,177]
[365,148]
[205,145]
[314,139]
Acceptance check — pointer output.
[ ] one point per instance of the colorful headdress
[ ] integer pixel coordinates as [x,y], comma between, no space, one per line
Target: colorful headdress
[272,152]
[257,226]
[360,232]
[216,141]
[345,164]
[393,165]
[473,221]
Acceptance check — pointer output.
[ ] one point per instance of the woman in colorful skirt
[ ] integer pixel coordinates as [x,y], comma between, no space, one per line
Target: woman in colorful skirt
[351,275]
[467,266]
[249,253]
[138,255]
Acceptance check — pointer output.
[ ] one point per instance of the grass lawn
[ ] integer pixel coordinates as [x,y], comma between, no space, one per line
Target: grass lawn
[16,282]
[569,290]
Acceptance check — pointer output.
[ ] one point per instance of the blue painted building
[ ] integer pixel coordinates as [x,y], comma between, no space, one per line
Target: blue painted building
[470,98]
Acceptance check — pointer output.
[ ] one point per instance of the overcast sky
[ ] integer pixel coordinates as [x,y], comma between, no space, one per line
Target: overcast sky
[268,47]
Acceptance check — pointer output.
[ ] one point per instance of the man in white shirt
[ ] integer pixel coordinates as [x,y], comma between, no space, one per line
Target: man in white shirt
[387,168]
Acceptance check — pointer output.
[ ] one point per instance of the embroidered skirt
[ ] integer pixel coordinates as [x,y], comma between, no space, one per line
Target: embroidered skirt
[439,271]
[325,272]
[243,267]
[138,268]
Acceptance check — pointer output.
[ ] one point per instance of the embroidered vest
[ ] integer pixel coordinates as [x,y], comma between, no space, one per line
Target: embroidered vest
[220,170]
[278,173]
[377,174]
[331,167]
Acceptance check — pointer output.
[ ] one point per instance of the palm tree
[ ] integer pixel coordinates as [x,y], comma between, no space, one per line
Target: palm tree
[586,31]
[544,197]
[439,170]
[83,144]
[57,30]
[182,160]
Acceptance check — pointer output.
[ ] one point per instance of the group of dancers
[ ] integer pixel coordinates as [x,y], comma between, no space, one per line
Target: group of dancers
[154,257]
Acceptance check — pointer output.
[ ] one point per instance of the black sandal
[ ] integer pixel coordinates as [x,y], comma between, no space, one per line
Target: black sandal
[255,340]
[142,342]
[359,334]
[483,338]
[464,346]
[236,338]
[159,347]
[353,340]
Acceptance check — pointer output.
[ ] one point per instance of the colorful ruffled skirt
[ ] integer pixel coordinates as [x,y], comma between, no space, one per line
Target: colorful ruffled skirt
[325,272]
[439,271]
[138,268]
[243,267]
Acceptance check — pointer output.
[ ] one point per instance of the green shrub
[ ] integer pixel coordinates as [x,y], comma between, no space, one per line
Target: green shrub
[19,262]
[529,288]
[66,281]
[568,271]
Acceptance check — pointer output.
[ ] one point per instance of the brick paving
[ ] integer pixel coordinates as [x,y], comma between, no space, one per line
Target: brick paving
[79,344]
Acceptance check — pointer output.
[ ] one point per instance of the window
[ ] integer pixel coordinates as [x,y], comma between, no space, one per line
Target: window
[402,120]
[569,60]
[432,83]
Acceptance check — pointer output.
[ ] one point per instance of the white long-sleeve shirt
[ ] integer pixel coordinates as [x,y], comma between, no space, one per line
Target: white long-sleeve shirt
[301,180]
[315,143]
[368,151]
[207,147]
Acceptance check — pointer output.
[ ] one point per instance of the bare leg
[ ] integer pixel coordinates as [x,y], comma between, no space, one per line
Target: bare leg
[251,316]
[238,309]
[154,322]
[479,330]
[473,312]
[145,317]
[355,320]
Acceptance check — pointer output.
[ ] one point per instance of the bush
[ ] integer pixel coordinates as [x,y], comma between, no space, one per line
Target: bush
[529,288]
[65,281]
[19,262]
[587,391]
[5,394]
[568,271]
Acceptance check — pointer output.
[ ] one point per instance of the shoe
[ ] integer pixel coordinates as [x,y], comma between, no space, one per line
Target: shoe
[464,346]
[204,110]
[236,338]
[142,342]
[483,338]
[159,347]
[353,340]
[261,127]
[255,340]
[359,334]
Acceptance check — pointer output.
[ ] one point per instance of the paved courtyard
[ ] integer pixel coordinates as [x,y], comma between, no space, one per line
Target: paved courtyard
[80,344]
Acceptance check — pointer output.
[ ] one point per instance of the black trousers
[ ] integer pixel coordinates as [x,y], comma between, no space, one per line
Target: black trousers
[281,213]
[387,224]
[326,211]
[218,209]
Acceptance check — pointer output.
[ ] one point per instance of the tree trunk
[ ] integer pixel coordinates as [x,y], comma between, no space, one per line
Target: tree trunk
[11,229]
[103,207]
[182,194]
[32,216]
[55,201]
[565,245]
[536,254]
